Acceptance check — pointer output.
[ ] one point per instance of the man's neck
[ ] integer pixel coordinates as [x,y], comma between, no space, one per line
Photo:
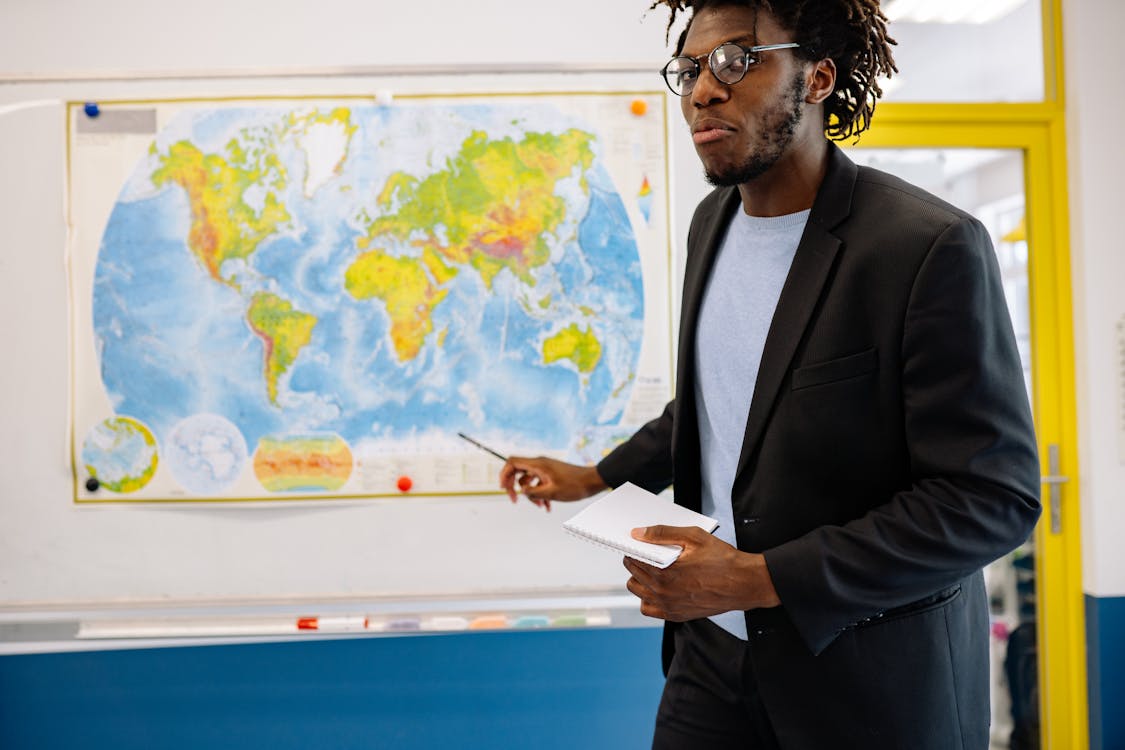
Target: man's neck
[791,184]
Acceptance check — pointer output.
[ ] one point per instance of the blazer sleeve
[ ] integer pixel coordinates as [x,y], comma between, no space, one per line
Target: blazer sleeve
[974,490]
[645,459]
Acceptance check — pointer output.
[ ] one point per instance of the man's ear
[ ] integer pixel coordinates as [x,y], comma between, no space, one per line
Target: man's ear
[821,81]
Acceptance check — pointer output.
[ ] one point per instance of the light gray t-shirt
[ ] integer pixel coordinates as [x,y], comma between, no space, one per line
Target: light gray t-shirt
[735,316]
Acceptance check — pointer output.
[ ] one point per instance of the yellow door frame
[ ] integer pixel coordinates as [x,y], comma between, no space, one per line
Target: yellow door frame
[1038,129]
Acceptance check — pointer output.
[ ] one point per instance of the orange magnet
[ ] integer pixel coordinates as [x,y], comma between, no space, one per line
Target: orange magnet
[638,107]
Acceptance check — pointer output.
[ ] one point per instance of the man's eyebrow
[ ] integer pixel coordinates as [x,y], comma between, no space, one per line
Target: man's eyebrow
[746,40]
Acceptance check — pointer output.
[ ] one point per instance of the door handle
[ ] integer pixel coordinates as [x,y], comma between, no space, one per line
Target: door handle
[1054,482]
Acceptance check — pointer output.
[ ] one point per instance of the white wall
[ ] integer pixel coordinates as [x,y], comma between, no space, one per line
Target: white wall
[38,36]
[61,37]
[1095,60]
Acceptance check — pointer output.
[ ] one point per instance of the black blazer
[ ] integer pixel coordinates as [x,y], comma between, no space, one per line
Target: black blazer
[889,454]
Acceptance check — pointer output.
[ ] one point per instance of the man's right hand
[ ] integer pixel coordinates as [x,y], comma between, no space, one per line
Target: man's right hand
[545,479]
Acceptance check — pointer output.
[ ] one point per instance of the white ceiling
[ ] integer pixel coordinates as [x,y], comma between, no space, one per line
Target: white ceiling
[1001,60]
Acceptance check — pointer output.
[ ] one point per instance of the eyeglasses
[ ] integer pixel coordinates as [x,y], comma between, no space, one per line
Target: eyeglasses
[728,62]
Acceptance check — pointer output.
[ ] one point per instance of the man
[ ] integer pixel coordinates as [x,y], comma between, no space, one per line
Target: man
[849,402]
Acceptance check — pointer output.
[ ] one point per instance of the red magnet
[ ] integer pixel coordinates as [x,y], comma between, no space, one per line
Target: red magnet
[405,483]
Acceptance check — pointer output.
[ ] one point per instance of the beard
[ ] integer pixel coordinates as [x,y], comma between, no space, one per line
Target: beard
[779,126]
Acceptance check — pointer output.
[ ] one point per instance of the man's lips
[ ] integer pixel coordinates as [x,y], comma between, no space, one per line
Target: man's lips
[708,131]
[709,135]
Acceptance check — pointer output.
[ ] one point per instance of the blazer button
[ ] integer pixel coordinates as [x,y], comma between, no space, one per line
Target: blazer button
[750,520]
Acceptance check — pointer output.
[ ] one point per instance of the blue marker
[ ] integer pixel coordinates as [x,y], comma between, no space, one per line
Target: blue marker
[532,621]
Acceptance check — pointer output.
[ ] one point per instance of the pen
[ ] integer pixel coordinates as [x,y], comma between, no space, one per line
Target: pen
[485,448]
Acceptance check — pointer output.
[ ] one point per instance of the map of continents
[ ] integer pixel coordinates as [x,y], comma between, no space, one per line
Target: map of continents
[373,277]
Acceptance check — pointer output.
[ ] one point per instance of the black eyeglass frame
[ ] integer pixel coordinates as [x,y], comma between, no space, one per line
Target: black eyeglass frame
[748,55]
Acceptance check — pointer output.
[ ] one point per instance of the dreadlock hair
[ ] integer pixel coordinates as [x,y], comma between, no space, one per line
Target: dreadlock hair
[851,32]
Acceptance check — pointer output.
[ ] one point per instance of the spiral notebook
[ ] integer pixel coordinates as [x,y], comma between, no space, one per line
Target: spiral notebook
[609,522]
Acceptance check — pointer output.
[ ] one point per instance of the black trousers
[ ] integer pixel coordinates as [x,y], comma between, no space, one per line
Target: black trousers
[711,698]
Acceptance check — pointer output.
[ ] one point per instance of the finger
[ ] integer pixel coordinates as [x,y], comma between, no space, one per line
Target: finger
[636,588]
[680,535]
[649,608]
[513,467]
[509,473]
[514,487]
[640,571]
[535,488]
[538,493]
[541,498]
[526,481]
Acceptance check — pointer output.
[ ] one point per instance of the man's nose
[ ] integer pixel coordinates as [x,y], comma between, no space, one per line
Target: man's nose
[708,89]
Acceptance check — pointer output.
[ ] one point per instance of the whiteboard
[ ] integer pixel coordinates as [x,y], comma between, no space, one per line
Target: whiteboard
[55,554]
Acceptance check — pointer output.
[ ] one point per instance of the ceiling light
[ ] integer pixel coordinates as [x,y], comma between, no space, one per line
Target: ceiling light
[950,11]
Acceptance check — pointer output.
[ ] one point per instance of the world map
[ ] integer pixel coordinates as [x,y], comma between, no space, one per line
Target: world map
[361,280]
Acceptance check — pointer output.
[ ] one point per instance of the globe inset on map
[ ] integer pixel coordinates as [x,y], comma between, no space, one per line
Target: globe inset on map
[121,454]
[206,453]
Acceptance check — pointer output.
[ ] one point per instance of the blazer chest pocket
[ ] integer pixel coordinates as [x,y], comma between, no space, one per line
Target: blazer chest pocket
[833,370]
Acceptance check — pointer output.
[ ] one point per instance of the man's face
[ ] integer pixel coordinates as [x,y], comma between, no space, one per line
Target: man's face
[740,131]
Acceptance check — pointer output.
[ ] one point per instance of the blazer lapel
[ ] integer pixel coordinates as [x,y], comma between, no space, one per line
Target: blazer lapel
[812,263]
[701,258]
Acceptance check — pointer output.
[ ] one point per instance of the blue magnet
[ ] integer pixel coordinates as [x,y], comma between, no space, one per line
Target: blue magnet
[92,109]
[532,621]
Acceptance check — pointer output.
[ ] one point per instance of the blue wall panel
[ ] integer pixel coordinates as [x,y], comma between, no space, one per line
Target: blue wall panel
[532,689]
[1105,655]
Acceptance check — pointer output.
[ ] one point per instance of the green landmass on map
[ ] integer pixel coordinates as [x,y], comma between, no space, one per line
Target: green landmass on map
[284,331]
[492,207]
[572,343]
[223,225]
[405,289]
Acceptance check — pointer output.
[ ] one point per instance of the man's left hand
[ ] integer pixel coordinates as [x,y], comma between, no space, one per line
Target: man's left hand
[709,577]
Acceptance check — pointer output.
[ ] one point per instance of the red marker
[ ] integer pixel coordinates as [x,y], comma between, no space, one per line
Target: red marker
[332,623]
[405,483]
